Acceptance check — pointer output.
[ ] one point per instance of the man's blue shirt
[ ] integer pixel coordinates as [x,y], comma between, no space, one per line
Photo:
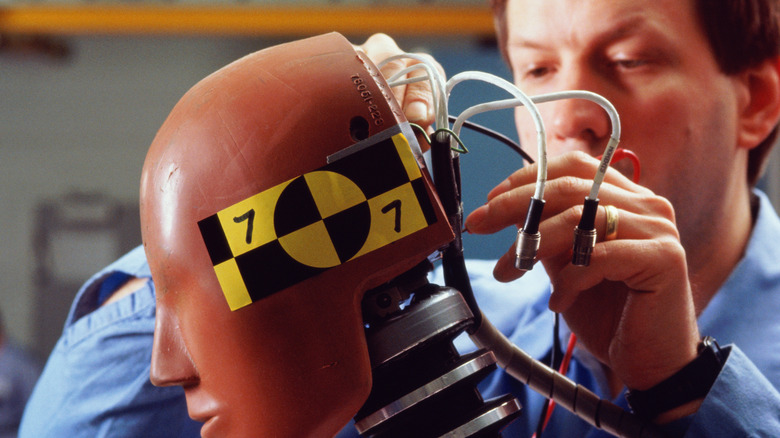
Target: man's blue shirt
[18,373]
[744,400]
[96,382]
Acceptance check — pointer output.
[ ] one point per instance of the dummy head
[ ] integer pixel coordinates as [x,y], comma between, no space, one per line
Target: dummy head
[278,190]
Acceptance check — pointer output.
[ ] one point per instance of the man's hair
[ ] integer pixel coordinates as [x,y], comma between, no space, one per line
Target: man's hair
[742,34]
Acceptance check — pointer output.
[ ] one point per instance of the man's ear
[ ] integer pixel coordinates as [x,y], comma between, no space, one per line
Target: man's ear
[761,111]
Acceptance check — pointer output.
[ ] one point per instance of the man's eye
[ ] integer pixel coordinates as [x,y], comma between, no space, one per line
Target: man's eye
[628,64]
[536,72]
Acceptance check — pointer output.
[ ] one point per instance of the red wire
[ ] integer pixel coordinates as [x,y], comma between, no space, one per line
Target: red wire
[619,154]
[564,368]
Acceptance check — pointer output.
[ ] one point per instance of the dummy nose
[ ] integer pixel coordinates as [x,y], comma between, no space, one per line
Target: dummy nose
[171,362]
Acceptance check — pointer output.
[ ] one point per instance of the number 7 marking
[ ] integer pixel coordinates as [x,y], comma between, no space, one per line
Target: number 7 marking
[250,217]
[395,205]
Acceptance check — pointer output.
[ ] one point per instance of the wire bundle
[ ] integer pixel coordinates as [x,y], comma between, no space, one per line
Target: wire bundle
[541,378]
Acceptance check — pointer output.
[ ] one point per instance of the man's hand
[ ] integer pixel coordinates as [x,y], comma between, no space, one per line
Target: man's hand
[632,307]
[416,98]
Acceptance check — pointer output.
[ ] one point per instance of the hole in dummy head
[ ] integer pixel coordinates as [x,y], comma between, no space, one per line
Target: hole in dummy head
[358,128]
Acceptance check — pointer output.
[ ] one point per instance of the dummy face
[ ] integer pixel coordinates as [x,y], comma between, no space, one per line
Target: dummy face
[651,59]
[293,360]
[259,372]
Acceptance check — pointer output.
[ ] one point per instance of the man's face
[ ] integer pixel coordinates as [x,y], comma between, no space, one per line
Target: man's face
[651,59]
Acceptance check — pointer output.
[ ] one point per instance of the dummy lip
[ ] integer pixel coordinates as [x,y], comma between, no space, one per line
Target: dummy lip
[209,425]
[208,417]
[201,408]
[202,416]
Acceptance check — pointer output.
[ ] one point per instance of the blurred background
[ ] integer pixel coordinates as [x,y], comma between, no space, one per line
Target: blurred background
[85,85]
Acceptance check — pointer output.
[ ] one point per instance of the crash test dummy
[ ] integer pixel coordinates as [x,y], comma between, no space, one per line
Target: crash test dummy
[258,308]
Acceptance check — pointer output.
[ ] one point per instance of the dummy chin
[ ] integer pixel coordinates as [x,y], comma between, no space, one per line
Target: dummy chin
[279,189]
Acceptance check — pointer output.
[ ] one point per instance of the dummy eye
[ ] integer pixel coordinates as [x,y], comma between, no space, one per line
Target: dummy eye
[358,128]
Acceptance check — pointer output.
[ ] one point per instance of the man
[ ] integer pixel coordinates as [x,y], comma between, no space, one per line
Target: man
[634,308]
[696,86]
[96,380]
[18,373]
[652,334]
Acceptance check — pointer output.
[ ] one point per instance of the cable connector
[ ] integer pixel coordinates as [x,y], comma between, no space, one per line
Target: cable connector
[528,237]
[585,233]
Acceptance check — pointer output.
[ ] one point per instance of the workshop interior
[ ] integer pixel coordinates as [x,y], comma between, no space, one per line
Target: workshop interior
[82,107]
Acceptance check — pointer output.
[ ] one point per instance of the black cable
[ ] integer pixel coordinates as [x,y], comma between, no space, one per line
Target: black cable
[540,423]
[497,136]
[599,413]
[446,177]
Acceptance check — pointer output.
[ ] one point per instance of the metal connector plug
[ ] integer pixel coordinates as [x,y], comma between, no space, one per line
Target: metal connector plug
[585,233]
[584,241]
[526,247]
[527,242]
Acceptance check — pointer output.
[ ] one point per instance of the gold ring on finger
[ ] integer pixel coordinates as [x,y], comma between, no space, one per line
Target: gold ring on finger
[612,222]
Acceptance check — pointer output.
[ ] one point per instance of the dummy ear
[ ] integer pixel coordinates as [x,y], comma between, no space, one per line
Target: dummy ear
[761,111]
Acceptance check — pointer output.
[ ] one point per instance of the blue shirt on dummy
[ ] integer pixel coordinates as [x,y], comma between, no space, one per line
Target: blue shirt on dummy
[96,380]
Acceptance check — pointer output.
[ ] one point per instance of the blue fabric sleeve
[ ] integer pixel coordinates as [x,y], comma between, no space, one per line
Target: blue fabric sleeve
[741,403]
[96,381]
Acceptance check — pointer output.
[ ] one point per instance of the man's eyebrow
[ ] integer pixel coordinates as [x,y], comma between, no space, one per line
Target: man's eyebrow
[626,27]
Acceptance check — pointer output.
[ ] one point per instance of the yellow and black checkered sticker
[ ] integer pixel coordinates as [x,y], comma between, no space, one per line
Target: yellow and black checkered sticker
[297,229]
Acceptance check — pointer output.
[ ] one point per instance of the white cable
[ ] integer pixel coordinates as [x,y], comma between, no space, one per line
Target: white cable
[541,137]
[614,137]
[437,84]
[599,413]
[430,76]
[542,98]
[406,81]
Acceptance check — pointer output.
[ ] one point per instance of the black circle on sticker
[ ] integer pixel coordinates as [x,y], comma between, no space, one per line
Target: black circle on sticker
[348,230]
[295,208]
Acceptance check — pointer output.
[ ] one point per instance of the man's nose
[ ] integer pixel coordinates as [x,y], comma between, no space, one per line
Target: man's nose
[579,121]
[171,361]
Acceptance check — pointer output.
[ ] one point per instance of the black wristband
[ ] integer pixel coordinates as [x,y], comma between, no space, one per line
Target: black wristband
[692,382]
